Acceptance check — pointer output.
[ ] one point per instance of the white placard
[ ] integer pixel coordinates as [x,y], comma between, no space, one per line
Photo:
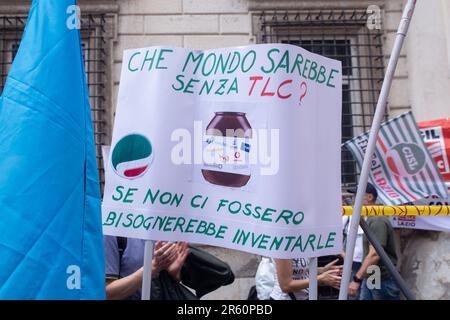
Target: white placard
[172,175]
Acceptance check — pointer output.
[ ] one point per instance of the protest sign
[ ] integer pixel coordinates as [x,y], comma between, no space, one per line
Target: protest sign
[216,147]
[402,169]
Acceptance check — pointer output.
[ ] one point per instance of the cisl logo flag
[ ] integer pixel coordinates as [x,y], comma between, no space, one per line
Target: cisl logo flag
[436,135]
[402,168]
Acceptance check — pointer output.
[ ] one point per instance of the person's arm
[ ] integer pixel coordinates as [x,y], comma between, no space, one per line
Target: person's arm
[287,284]
[284,274]
[372,258]
[119,289]
[379,229]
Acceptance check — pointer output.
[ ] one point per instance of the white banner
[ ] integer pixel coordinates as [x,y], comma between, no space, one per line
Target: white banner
[438,223]
[232,147]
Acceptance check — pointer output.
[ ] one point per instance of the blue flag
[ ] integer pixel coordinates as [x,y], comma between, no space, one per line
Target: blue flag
[51,243]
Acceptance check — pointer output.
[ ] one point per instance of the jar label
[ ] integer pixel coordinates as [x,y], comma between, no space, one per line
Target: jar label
[227,154]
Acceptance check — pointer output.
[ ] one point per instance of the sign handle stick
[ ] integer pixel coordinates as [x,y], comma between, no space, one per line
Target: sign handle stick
[377,120]
[147,276]
[312,278]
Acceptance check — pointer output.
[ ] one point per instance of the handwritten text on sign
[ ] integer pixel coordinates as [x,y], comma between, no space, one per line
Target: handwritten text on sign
[233,147]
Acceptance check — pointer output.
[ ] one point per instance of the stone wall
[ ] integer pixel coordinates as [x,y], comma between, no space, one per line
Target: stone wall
[426,263]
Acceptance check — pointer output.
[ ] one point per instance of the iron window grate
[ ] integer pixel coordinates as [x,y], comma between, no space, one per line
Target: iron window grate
[342,35]
[93,36]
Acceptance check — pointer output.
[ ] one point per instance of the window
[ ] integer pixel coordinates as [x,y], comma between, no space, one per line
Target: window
[341,35]
[94,48]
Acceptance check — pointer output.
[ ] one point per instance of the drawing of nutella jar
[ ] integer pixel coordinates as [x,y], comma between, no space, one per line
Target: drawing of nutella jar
[227,145]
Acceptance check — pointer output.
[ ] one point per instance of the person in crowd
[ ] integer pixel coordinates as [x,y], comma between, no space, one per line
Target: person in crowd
[292,278]
[358,254]
[124,259]
[384,233]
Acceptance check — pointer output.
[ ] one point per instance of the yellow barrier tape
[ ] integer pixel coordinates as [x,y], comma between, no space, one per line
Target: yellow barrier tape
[400,211]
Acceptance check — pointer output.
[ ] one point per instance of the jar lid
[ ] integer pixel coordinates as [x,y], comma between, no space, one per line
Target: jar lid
[229,113]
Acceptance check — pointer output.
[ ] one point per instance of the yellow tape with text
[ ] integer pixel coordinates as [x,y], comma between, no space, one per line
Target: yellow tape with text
[400,211]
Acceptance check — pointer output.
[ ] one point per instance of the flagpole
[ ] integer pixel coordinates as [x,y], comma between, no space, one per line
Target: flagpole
[377,120]
[147,276]
[313,279]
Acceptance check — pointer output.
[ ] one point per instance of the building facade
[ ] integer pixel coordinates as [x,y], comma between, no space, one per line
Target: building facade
[360,33]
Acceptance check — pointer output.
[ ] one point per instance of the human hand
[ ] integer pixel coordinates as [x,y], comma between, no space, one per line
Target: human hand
[353,288]
[175,267]
[330,278]
[332,266]
[163,255]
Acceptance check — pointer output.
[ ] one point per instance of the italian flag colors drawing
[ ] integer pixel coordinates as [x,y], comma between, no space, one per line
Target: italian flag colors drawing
[132,156]
[402,168]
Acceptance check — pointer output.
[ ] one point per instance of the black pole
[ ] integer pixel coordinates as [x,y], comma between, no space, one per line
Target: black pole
[387,261]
